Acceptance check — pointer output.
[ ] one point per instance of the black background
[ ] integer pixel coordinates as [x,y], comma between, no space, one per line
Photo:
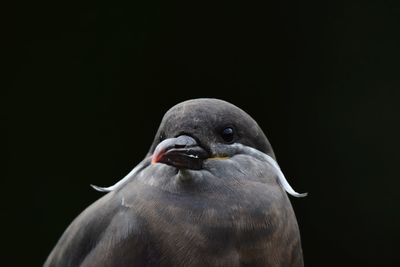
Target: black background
[89,84]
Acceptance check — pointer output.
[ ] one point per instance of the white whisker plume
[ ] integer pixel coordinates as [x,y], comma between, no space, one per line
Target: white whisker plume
[264,157]
[124,180]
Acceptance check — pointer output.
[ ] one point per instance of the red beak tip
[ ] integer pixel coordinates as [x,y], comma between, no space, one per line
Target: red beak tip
[156,158]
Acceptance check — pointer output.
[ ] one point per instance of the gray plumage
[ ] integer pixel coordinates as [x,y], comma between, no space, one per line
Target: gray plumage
[204,195]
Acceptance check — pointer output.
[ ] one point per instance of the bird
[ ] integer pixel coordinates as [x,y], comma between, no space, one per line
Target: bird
[208,193]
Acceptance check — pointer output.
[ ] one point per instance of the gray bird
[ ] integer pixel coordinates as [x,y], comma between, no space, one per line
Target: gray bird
[208,193]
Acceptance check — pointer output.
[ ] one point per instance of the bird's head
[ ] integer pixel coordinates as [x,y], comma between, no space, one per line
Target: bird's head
[218,138]
[205,129]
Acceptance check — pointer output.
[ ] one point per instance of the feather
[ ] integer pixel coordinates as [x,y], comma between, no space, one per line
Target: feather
[264,157]
[124,180]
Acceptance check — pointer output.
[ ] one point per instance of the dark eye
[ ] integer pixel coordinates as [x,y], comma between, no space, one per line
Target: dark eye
[227,134]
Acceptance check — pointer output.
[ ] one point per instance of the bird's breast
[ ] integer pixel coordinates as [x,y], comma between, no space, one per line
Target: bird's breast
[217,229]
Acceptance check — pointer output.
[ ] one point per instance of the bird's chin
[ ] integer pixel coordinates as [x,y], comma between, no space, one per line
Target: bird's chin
[187,175]
[180,174]
[175,180]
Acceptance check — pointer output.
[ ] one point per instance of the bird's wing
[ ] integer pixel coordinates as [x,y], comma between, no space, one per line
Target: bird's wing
[106,226]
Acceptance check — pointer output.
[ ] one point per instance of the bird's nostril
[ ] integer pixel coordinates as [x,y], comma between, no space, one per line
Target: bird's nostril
[180,145]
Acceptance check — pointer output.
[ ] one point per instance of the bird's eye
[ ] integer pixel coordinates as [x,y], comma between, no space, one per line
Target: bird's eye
[227,134]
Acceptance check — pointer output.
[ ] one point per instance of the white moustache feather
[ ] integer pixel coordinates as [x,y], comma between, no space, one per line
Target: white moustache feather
[239,149]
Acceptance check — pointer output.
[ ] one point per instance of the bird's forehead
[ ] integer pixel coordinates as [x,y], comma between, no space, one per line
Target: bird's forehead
[191,110]
[204,112]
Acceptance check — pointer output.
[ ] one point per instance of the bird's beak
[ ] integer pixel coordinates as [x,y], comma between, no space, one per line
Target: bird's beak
[182,152]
